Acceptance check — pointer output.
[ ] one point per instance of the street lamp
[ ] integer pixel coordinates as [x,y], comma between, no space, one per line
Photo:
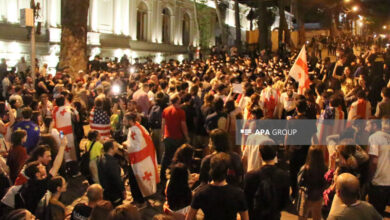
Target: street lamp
[384,27]
[355,8]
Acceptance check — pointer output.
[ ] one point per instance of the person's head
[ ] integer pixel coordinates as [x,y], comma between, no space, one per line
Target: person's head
[27,113]
[257,113]
[57,184]
[145,87]
[18,137]
[347,188]
[218,105]
[125,212]
[35,171]
[130,119]
[373,125]
[219,139]
[315,160]
[41,154]
[345,156]
[175,99]
[301,106]
[94,193]
[101,210]
[99,103]
[219,165]
[268,151]
[184,154]
[93,135]
[19,214]
[60,101]
[385,92]
[110,147]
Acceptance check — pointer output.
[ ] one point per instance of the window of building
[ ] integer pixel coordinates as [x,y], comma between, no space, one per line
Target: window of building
[166,20]
[186,30]
[142,22]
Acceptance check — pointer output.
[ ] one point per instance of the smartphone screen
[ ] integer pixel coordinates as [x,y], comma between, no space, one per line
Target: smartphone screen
[61,134]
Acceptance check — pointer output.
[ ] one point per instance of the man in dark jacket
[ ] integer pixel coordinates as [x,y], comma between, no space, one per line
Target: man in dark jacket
[267,188]
[110,174]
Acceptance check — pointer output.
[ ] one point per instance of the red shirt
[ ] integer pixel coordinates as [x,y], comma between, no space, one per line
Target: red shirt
[173,117]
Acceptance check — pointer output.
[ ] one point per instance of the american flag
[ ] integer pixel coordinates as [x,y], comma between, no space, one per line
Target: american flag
[99,120]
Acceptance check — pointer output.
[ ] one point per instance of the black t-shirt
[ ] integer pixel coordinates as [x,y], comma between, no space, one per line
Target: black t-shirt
[219,202]
[81,212]
[278,176]
[33,192]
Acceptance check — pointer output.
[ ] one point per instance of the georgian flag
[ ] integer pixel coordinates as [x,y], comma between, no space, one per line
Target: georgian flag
[300,72]
[142,156]
[62,117]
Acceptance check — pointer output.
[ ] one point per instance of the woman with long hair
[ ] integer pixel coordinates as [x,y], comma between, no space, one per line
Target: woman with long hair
[178,192]
[17,155]
[254,102]
[311,178]
[184,154]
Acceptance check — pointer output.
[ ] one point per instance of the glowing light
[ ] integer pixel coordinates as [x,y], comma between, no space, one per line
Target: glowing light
[360,23]
[55,35]
[12,11]
[118,53]
[384,27]
[116,89]
[158,58]
[355,8]
[180,58]
[127,52]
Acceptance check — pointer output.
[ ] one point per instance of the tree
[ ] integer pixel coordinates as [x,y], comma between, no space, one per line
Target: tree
[74,17]
[283,26]
[220,22]
[238,25]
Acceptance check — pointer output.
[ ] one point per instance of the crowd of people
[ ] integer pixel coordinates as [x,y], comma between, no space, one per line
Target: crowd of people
[172,129]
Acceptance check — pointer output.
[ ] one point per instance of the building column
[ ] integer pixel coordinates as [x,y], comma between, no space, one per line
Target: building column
[133,8]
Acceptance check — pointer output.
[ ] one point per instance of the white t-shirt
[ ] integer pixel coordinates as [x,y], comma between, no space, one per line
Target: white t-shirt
[251,151]
[379,145]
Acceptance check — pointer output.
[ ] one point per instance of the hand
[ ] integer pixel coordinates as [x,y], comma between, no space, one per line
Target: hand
[64,142]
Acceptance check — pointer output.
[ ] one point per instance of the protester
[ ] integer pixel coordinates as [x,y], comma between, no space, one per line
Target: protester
[266,188]
[218,199]
[17,156]
[110,174]
[311,177]
[347,188]
[83,211]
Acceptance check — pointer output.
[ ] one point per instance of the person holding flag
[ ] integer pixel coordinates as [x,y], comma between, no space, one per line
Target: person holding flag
[300,72]
[62,117]
[143,174]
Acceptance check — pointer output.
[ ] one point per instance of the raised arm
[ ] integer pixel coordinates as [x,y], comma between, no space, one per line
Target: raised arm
[59,158]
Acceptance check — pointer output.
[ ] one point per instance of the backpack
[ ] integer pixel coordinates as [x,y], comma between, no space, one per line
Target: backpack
[84,162]
[264,201]
[155,117]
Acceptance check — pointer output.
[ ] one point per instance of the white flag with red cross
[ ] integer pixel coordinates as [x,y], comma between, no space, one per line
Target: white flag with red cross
[142,156]
[300,72]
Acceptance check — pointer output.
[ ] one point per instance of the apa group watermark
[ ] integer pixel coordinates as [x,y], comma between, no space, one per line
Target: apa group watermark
[274,132]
